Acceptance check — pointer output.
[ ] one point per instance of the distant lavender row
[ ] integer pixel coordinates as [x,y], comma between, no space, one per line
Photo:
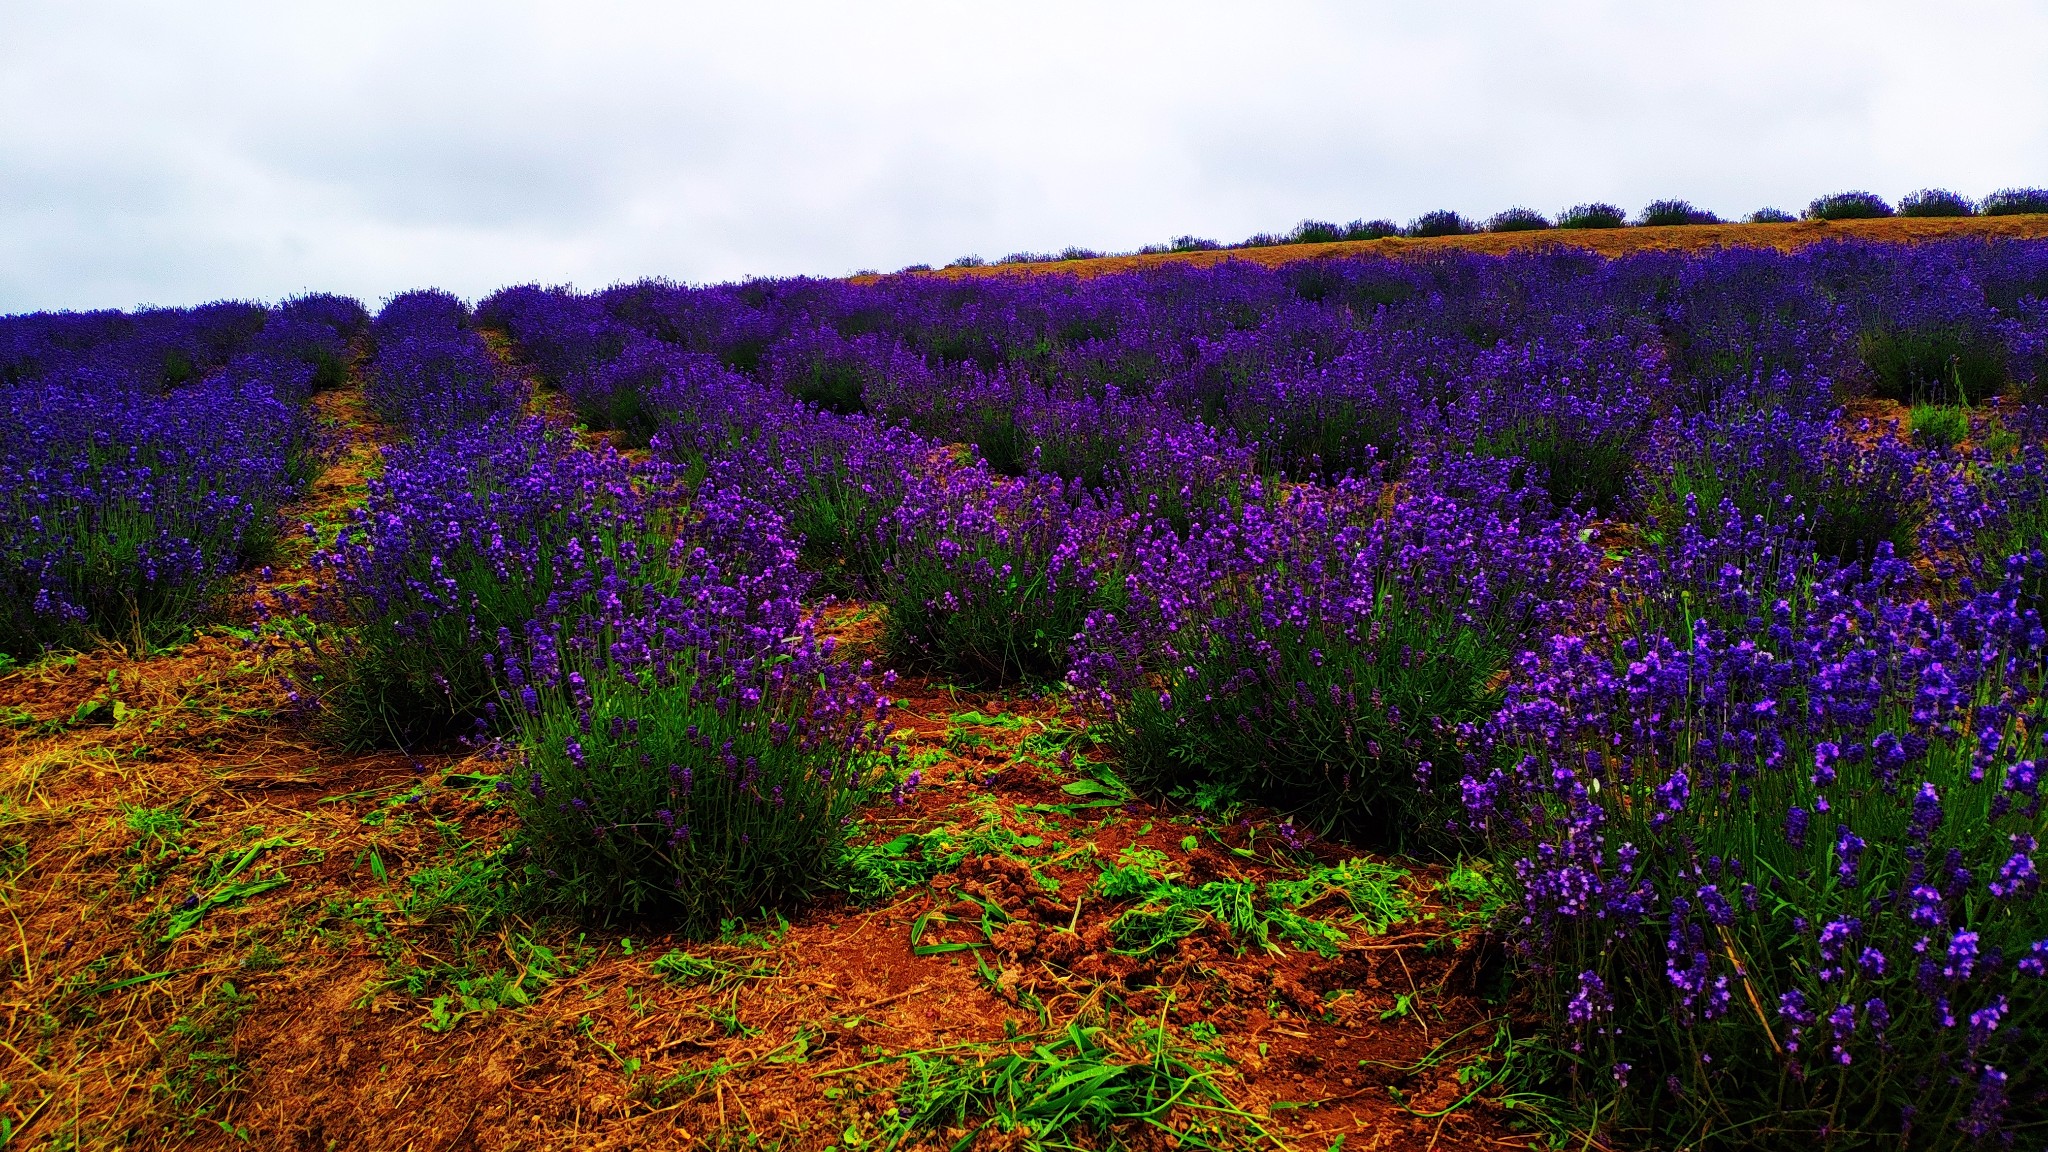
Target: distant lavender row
[1589,369]
[143,459]
[432,374]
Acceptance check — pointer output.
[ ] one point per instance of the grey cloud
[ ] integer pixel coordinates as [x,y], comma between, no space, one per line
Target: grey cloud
[179,152]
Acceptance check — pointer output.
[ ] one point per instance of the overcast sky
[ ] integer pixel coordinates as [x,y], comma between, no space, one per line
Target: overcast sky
[178,152]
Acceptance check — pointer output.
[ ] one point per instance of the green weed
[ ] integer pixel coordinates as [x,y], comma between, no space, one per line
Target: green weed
[222,886]
[1168,913]
[1084,1087]
[201,1066]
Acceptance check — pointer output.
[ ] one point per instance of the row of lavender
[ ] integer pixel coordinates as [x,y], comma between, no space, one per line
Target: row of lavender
[685,744]
[143,458]
[1759,767]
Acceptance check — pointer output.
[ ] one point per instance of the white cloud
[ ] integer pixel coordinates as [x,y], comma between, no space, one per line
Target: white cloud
[180,152]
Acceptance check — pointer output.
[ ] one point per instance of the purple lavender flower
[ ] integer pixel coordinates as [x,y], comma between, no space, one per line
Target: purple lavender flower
[1848,852]
[1591,1002]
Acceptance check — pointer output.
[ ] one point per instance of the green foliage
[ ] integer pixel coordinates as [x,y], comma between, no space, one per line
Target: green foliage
[201,1067]
[157,848]
[1084,1084]
[1167,912]
[229,879]
[691,971]
[874,872]
[156,829]
[1477,893]
[473,891]
[1373,892]
[476,995]
[1940,364]
[1939,425]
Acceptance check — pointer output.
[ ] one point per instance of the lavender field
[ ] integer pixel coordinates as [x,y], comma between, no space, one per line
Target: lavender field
[1441,699]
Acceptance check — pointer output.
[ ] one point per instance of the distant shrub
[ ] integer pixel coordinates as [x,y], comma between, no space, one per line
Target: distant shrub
[2016,202]
[1315,232]
[1664,213]
[1192,244]
[1772,216]
[1028,258]
[968,262]
[1442,222]
[907,269]
[1848,206]
[1517,220]
[1371,229]
[1595,215]
[1936,202]
[1077,253]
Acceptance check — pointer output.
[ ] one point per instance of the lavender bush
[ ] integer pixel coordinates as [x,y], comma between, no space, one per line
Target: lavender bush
[1324,651]
[694,751]
[1772,843]
[993,577]
[484,530]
